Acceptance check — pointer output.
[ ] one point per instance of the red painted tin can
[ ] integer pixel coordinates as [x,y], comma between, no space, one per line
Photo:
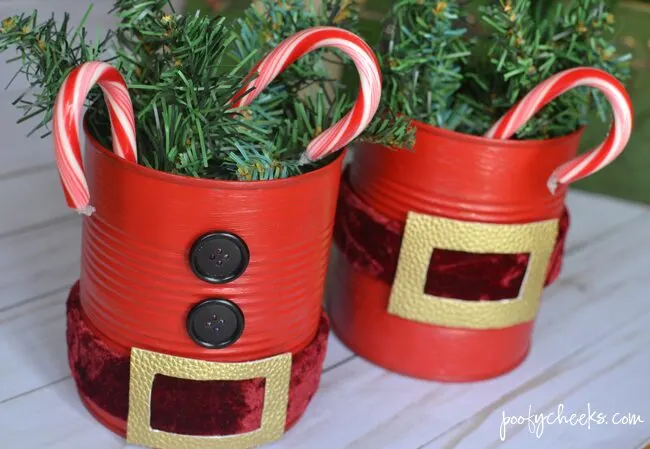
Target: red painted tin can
[213,282]
[137,283]
[468,180]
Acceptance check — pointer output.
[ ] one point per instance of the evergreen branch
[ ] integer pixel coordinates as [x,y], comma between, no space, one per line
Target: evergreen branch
[47,51]
[422,55]
[436,73]
[308,98]
[528,48]
[183,72]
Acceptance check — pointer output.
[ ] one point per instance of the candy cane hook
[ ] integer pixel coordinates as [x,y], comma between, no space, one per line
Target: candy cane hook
[353,124]
[67,119]
[594,160]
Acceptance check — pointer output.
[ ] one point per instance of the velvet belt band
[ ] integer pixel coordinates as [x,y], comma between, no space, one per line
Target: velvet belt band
[181,406]
[371,243]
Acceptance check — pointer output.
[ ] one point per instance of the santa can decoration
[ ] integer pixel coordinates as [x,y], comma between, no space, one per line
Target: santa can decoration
[443,252]
[197,321]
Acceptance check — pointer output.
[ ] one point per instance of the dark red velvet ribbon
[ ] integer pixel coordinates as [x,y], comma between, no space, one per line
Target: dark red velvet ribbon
[371,243]
[183,406]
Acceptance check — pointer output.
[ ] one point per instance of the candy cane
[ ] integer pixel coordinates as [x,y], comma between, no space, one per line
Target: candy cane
[68,110]
[596,159]
[353,124]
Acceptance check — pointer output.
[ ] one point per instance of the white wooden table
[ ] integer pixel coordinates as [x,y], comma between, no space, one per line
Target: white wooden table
[591,344]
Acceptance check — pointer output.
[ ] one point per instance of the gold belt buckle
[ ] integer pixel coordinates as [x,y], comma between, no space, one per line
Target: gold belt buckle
[145,365]
[424,234]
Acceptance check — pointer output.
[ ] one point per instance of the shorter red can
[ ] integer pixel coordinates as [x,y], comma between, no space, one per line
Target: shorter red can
[443,252]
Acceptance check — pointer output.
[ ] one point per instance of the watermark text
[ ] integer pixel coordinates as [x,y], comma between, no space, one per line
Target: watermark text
[587,418]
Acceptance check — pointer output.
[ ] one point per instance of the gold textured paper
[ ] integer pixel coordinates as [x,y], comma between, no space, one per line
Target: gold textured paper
[423,234]
[146,365]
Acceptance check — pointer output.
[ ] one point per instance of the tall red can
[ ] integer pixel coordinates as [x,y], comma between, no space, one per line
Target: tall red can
[198,313]
[197,321]
[442,253]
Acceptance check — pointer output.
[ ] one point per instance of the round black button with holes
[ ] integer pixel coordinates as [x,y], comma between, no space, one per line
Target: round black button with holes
[215,323]
[219,257]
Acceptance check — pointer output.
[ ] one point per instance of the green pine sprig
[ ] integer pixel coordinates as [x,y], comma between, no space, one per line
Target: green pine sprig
[310,95]
[527,49]
[183,72]
[436,72]
[422,55]
[47,51]
[182,84]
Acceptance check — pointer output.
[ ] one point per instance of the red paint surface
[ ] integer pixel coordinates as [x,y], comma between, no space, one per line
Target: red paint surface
[455,176]
[419,350]
[464,177]
[136,283]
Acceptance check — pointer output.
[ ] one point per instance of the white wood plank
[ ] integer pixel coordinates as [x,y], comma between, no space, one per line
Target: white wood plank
[644,445]
[20,154]
[57,420]
[601,298]
[593,214]
[362,406]
[38,261]
[30,200]
[607,378]
[32,336]
[337,353]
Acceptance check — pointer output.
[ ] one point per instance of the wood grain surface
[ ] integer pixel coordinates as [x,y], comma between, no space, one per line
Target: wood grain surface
[590,349]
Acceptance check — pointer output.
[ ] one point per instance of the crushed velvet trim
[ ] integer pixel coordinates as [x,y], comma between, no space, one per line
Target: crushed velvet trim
[371,243]
[181,406]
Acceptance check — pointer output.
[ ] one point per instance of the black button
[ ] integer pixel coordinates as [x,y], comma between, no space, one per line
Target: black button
[215,323]
[219,257]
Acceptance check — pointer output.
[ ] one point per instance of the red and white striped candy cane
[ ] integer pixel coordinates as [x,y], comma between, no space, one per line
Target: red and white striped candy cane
[67,119]
[594,160]
[353,124]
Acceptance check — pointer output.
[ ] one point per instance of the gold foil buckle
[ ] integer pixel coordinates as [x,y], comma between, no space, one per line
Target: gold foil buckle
[424,234]
[145,365]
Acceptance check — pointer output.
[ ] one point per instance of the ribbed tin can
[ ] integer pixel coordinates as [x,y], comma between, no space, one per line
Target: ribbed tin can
[459,177]
[137,286]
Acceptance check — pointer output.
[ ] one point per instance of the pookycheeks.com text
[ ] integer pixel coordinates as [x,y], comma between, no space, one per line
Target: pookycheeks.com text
[587,418]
